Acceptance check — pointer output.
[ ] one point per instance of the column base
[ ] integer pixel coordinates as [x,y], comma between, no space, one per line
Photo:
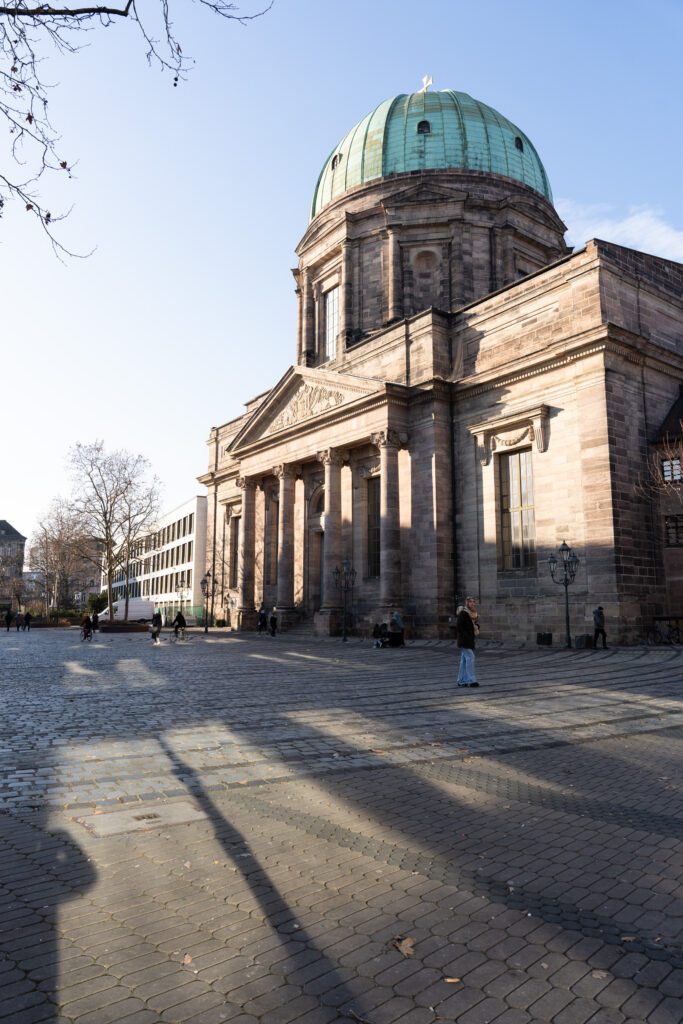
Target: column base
[245,618]
[328,622]
[286,618]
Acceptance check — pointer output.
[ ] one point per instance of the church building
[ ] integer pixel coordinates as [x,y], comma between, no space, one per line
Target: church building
[466,394]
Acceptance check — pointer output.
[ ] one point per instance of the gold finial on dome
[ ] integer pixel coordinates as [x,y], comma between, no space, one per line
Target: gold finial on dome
[426,82]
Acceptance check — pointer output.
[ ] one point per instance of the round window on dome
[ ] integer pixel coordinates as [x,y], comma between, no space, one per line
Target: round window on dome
[519,144]
[337,159]
[424,128]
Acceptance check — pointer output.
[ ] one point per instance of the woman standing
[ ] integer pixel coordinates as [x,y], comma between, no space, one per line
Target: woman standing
[466,629]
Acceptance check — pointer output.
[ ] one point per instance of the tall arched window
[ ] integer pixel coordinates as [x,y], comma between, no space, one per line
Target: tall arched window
[424,128]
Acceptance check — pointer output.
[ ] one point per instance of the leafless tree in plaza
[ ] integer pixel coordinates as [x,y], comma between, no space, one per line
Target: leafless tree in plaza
[114,501]
[29,32]
[63,559]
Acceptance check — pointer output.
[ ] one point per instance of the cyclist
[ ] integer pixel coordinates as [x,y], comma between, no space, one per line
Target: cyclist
[86,627]
[179,624]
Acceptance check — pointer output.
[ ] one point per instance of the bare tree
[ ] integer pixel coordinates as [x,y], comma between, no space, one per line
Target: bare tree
[62,556]
[113,502]
[663,475]
[28,32]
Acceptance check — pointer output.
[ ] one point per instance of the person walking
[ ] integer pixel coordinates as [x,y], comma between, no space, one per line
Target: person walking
[19,621]
[465,630]
[156,629]
[273,622]
[599,626]
[27,621]
[262,621]
[95,622]
[8,619]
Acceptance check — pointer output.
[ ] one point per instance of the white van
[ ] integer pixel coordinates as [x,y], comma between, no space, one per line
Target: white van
[139,610]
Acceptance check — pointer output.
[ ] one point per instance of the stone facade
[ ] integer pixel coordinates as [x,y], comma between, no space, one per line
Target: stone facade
[12,545]
[470,346]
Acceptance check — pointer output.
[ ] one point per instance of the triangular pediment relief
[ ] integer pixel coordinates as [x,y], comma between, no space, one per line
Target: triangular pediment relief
[424,193]
[303,396]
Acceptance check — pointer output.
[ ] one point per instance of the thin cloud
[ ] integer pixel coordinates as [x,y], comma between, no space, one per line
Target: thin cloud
[642,228]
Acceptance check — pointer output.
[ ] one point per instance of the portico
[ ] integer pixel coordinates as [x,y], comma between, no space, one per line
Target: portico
[297,504]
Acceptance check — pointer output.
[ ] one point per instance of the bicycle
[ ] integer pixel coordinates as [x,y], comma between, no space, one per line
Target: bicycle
[671,634]
[86,633]
[179,637]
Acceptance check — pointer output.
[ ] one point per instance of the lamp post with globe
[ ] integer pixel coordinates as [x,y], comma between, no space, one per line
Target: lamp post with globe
[568,564]
[205,584]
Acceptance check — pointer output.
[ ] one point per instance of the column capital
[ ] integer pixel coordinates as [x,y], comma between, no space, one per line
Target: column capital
[389,438]
[332,456]
[247,483]
[286,470]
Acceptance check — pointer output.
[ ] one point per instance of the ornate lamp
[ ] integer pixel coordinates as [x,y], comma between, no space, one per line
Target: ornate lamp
[568,565]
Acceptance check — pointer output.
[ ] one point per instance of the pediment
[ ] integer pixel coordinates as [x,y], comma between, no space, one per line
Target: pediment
[303,396]
[424,193]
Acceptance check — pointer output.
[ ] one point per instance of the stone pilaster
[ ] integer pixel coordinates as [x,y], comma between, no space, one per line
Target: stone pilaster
[308,320]
[389,442]
[395,281]
[346,294]
[246,612]
[285,544]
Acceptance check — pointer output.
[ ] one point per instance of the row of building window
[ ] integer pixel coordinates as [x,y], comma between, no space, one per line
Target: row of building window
[179,555]
[174,531]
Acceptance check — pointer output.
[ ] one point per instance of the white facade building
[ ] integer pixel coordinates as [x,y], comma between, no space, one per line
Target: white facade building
[169,563]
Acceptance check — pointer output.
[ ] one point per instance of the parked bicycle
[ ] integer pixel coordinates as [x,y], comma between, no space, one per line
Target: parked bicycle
[664,633]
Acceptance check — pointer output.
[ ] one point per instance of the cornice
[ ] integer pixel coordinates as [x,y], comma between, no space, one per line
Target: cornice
[593,342]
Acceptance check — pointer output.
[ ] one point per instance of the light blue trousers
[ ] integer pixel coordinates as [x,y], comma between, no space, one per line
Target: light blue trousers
[466,674]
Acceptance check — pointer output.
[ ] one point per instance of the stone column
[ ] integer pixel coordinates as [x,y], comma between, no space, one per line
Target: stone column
[388,442]
[285,542]
[328,619]
[246,613]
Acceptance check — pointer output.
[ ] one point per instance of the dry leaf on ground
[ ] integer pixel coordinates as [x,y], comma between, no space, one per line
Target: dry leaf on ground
[404,944]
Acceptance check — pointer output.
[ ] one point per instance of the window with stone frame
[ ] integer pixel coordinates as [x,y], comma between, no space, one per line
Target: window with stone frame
[331,301]
[372,524]
[516,511]
[673,527]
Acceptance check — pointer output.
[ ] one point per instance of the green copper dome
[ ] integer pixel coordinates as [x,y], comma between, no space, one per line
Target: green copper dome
[429,131]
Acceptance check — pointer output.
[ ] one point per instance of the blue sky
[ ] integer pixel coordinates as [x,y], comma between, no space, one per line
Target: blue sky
[195,197]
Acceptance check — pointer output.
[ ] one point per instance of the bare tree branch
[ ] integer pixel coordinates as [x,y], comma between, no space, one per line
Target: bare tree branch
[28,33]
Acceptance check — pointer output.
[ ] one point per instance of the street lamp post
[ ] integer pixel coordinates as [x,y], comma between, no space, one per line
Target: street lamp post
[205,584]
[569,564]
[181,591]
[344,578]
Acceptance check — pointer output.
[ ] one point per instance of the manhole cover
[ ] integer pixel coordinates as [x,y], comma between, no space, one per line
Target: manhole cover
[140,819]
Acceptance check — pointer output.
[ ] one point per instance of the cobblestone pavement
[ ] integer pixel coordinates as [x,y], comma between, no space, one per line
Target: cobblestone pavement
[248,829]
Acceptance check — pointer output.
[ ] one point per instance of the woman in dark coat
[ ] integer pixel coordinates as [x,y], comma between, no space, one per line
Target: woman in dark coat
[465,632]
